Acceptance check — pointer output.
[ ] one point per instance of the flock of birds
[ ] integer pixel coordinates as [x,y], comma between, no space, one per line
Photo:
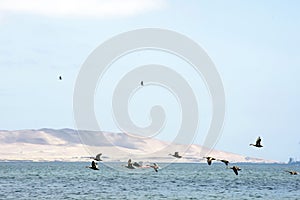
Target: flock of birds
[134,165]
[130,164]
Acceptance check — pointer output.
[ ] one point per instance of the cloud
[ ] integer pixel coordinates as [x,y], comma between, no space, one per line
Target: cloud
[80,8]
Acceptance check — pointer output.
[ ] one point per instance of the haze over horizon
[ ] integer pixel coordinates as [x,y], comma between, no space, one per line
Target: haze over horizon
[254,45]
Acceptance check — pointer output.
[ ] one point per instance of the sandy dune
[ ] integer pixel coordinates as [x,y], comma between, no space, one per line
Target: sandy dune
[67,145]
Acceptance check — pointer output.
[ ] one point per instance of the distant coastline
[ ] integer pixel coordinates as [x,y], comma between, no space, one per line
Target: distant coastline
[64,145]
[292,161]
[110,162]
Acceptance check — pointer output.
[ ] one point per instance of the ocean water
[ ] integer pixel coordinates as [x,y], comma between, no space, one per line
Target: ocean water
[63,180]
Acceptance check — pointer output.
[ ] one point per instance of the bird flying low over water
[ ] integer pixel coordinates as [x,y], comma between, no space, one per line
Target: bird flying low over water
[257,143]
[97,158]
[209,160]
[154,166]
[176,155]
[292,172]
[226,162]
[235,169]
[129,164]
[138,164]
[94,166]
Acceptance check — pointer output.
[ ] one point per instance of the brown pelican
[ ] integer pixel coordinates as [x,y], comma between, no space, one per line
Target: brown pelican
[138,164]
[155,167]
[235,169]
[97,158]
[129,164]
[226,162]
[94,166]
[176,155]
[257,144]
[209,160]
[142,83]
[292,172]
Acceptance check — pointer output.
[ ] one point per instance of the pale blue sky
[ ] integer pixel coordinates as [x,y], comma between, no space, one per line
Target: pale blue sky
[254,45]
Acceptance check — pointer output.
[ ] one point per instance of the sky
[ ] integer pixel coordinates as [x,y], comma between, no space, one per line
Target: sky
[253,44]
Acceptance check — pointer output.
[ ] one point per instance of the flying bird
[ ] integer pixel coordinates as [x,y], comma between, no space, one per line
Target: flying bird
[97,158]
[138,164]
[94,166]
[258,143]
[176,155]
[226,162]
[209,160]
[235,169]
[292,172]
[129,164]
[154,166]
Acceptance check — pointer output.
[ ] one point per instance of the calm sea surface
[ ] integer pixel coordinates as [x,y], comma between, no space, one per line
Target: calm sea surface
[63,180]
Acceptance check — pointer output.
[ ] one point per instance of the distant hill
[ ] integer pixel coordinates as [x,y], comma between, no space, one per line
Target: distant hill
[66,145]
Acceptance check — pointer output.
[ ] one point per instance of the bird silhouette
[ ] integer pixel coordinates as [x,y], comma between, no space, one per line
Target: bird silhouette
[94,166]
[138,164]
[226,162]
[209,160]
[97,158]
[235,169]
[176,155]
[154,166]
[292,172]
[60,78]
[129,164]
[257,143]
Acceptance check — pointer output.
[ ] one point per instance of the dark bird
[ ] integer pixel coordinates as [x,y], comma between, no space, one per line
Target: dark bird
[142,83]
[226,162]
[257,144]
[176,155]
[129,164]
[292,172]
[209,160]
[138,164]
[94,166]
[235,169]
[97,158]
[154,166]
[60,78]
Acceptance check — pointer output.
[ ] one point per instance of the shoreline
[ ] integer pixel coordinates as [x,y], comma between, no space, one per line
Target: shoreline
[77,161]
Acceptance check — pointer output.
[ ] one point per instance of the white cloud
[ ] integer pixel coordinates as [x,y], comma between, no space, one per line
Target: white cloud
[81,8]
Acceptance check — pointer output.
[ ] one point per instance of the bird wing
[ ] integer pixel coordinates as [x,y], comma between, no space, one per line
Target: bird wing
[225,161]
[98,156]
[258,141]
